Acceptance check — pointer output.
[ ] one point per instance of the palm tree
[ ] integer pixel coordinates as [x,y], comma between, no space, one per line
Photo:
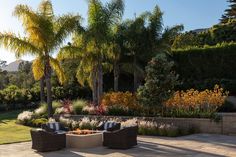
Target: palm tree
[91,44]
[45,33]
[145,36]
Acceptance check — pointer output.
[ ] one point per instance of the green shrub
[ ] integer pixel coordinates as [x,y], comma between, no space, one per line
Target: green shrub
[78,106]
[38,122]
[117,111]
[159,84]
[41,111]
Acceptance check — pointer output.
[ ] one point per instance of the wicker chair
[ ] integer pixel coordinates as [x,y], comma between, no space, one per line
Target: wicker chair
[44,141]
[121,139]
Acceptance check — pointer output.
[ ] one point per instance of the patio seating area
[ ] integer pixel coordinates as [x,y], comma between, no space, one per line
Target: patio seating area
[193,145]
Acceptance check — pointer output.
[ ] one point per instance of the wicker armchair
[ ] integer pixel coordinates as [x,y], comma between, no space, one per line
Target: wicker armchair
[121,139]
[44,141]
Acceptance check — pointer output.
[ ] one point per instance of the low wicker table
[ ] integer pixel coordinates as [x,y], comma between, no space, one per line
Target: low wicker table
[84,141]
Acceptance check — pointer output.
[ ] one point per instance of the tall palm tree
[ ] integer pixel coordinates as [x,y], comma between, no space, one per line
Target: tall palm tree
[91,44]
[146,36]
[45,33]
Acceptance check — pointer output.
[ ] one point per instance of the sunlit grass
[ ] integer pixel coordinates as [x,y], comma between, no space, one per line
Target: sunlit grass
[10,132]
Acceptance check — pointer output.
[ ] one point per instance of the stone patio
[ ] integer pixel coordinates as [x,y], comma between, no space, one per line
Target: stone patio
[199,145]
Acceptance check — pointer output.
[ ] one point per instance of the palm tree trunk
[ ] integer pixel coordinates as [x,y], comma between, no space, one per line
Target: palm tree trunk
[116,77]
[135,74]
[49,86]
[94,84]
[100,82]
[42,93]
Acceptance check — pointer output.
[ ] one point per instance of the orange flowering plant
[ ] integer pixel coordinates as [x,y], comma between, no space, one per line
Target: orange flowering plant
[194,103]
[123,100]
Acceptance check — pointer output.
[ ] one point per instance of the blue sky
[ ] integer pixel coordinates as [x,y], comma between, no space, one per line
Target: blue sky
[193,14]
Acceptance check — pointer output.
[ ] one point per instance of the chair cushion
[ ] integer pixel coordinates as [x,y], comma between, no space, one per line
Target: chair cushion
[54,126]
[111,126]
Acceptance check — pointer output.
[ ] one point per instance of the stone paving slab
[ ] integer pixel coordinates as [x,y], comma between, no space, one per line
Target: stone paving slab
[199,145]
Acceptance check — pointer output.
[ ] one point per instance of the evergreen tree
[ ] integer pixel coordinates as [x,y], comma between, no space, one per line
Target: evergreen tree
[159,84]
[230,14]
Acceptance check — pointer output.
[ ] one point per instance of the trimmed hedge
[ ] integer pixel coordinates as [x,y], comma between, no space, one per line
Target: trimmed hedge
[204,67]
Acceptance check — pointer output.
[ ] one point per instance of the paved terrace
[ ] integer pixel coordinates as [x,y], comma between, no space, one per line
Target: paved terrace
[199,145]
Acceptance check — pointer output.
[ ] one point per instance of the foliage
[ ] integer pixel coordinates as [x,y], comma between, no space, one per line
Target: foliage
[162,129]
[120,103]
[230,13]
[224,32]
[195,104]
[193,39]
[213,64]
[45,33]
[25,118]
[94,110]
[38,122]
[86,123]
[78,105]
[159,85]
[126,100]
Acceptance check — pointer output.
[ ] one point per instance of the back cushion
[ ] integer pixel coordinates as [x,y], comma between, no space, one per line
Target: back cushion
[55,126]
[109,125]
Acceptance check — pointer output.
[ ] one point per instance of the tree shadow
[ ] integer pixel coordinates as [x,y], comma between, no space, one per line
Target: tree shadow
[60,153]
[218,140]
[146,149]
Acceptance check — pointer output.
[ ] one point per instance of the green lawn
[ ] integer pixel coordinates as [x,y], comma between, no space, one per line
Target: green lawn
[10,132]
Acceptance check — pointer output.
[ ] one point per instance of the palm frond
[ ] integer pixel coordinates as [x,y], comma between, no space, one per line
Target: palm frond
[37,27]
[84,74]
[69,52]
[21,46]
[168,36]
[38,68]
[26,15]
[55,64]
[115,10]
[65,25]
[156,23]
[45,8]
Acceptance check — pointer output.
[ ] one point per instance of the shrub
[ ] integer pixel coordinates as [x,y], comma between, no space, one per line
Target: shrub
[193,103]
[94,110]
[78,105]
[66,122]
[120,103]
[38,122]
[159,84]
[86,123]
[148,128]
[129,123]
[41,111]
[126,100]
[25,118]
[117,110]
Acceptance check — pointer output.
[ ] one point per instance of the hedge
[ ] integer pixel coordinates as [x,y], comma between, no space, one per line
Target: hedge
[208,65]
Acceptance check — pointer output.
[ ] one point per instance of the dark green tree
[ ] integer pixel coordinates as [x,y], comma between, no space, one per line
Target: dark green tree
[230,13]
[159,84]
